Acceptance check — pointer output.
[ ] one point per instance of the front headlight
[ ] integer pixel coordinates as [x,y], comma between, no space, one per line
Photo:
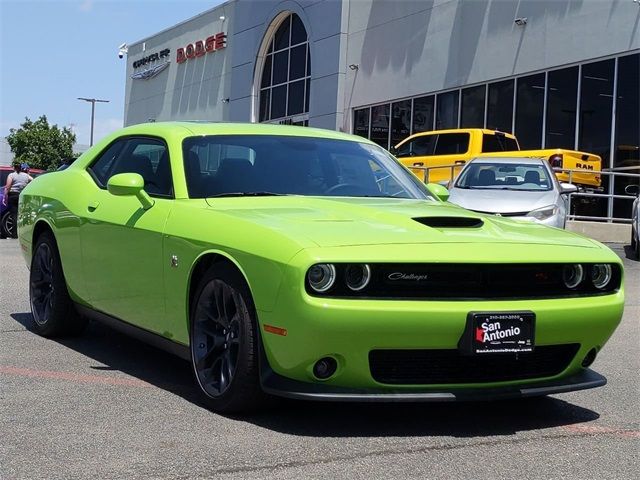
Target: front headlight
[543,213]
[321,277]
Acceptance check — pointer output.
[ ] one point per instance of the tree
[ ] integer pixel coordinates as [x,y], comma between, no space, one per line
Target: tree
[41,145]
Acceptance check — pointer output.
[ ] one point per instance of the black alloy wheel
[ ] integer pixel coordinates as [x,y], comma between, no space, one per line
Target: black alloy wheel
[7,225]
[52,309]
[224,348]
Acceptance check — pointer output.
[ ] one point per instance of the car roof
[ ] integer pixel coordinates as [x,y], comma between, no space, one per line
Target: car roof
[196,128]
[508,160]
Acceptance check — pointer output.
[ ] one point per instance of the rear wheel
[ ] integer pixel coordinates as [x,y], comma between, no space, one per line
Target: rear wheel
[7,225]
[53,311]
[224,341]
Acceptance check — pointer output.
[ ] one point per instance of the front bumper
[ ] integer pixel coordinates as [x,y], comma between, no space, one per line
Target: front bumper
[284,387]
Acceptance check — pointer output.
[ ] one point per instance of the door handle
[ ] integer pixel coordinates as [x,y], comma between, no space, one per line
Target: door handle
[459,162]
[92,206]
[418,164]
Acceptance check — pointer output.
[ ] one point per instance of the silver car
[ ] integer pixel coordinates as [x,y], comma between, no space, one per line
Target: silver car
[520,188]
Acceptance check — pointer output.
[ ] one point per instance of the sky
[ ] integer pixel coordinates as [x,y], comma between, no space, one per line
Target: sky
[52,52]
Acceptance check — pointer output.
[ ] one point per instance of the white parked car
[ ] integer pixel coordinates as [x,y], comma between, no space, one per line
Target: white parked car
[521,188]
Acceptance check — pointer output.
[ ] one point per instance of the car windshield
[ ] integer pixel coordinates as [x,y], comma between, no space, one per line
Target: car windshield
[505,176]
[260,165]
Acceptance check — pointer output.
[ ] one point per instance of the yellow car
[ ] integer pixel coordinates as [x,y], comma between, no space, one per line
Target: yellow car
[449,150]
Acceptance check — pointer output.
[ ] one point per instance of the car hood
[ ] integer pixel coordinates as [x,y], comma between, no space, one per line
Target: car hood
[342,221]
[501,201]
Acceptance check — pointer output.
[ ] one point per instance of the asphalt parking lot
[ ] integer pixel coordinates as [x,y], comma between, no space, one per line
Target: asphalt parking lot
[106,406]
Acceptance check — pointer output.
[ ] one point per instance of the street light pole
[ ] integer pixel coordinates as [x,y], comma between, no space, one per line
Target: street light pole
[93,111]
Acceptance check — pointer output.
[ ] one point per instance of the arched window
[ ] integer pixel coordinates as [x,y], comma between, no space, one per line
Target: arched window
[285,79]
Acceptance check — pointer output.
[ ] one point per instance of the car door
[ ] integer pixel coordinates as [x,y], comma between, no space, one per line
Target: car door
[416,153]
[122,242]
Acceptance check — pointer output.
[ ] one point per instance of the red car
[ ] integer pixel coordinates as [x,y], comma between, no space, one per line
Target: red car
[6,222]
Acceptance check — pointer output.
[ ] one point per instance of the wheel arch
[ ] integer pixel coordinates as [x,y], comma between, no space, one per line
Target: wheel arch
[200,265]
[39,228]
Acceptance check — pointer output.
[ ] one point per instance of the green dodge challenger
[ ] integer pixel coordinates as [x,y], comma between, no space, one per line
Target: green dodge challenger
[310,264]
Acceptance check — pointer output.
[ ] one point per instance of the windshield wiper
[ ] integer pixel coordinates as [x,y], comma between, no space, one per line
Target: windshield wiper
[247,194]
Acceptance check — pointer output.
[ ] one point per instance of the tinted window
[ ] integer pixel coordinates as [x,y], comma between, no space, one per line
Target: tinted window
[418,147]
[361,122]
[627,140]
[498,143]
[529,108]
[284,84]
[380,125]
[400,121]
[452,143]
[472,107]
[500,106]
[561,108]
[447,110]
[144,156]
[220,165]
[422,114]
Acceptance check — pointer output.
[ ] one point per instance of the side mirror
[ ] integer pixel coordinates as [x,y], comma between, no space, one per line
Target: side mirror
[125,184]
[439,191]
[568,188]
[632,189]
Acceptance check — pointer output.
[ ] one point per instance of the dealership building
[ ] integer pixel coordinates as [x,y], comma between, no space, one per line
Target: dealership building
[555,73]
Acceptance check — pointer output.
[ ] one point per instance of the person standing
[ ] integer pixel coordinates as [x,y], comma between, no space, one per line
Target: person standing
[16,181]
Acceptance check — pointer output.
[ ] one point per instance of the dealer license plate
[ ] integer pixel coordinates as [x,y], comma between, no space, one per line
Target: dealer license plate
[504,332]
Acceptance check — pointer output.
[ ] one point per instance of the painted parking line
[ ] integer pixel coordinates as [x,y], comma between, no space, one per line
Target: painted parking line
[72,377]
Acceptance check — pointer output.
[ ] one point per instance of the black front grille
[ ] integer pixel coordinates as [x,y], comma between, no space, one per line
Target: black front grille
[465,281]
[424,367]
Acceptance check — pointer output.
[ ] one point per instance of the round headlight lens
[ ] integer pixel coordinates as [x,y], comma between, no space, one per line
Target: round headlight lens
[357,276]
[321,277]
[572,275]
[601,274]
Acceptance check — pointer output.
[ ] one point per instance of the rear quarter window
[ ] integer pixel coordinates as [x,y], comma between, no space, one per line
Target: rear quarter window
[498,143]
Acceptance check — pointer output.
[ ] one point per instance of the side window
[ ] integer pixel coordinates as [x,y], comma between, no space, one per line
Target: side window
[102,167]
[498,143]
[452,143]
[147,157]
[418,147]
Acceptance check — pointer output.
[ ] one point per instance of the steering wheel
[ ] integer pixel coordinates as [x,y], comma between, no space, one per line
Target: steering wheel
[344,188]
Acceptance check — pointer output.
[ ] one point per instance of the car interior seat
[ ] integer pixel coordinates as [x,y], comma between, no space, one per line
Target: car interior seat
[532,176]
[486,177]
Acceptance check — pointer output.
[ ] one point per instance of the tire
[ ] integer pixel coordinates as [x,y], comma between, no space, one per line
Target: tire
[53,311]
[7,225]
[224,342]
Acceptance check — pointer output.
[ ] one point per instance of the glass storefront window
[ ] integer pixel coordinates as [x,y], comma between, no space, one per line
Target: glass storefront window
[361,122]
[380,125]
[447,110]
[422,114]
[400,121]
[562,86]
[626,153]
[284,83]
[500,106]
[472,107]
[529,111]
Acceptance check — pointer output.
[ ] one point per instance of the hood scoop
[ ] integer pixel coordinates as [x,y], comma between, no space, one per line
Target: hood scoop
[450,222]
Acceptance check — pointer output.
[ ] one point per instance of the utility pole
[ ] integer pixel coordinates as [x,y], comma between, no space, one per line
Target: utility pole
[93,111]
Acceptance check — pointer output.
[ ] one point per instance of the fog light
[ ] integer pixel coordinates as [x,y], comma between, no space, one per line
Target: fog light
[572,275]
[601,275]
[357,276]
[589,357]
[325,367]
[321,277]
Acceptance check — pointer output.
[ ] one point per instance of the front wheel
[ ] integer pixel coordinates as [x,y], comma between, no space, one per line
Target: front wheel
[7,225]
[224,341]
[53,311]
